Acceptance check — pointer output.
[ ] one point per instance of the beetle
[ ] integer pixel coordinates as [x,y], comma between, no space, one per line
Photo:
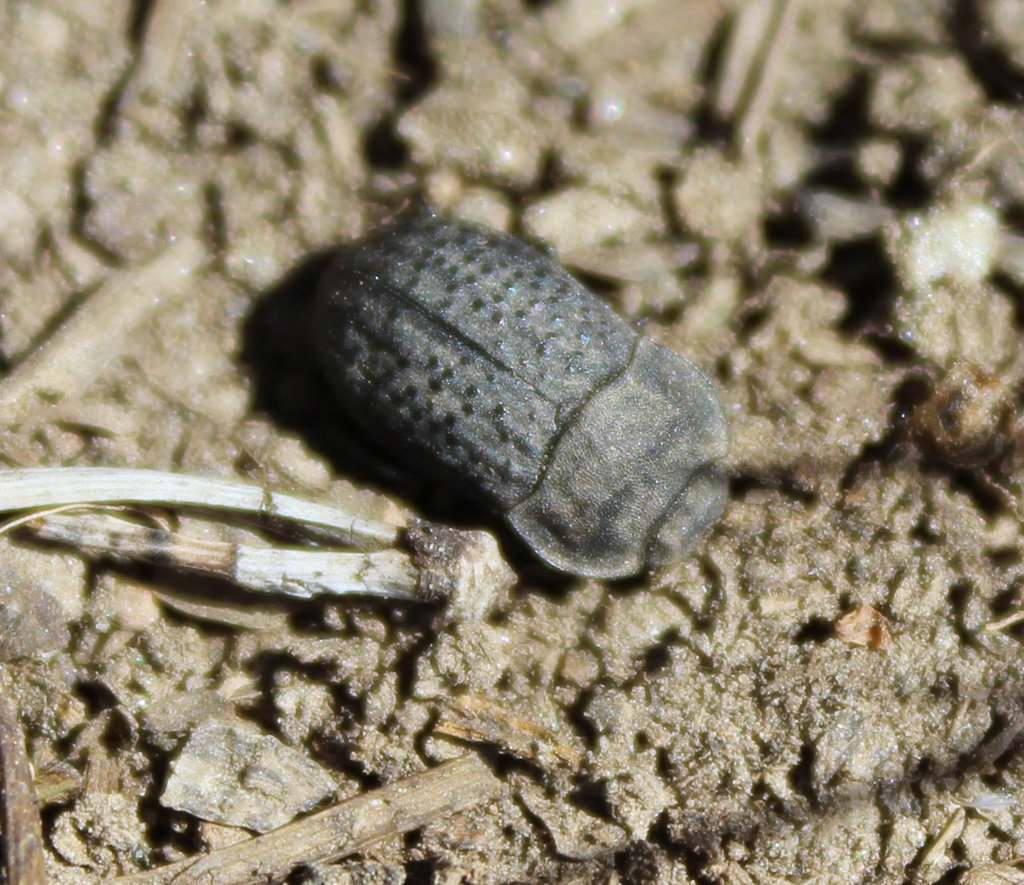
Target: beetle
[474,357]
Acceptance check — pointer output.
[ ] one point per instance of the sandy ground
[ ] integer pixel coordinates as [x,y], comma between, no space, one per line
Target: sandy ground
[819,203]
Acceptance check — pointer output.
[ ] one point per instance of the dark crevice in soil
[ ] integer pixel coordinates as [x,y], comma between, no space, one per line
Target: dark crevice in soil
[1009,600]
[215,224]
[1013,216]
[909,189]
[848,118]
[637,864]
[592,797]
[752,317]
[105,125]
[923,532]
[656,657]
[192,114]
[138,19]
[1002,744]
[96,696]
[238,137]
[416,72]
[576,716]
[1013,289]
[265,668]
[419,872]
[801,777]
[503,764]
[334,752]
[998,76]
[693,859]
[552,176]
[704,618]
[423,735]
[959,600]
[120,733]
[407,663]
[744,484]
[814,632]
[81,206]
[664,767]
[540,828]
[709,127]
[895,443]
[978,485]
[890,349]
[323,76]
[861,270]
[382,147]
[415,61]
[667,179]
[166,827]
[836,173]
[1006,560]
[787,228]
[350,707]
[762,795]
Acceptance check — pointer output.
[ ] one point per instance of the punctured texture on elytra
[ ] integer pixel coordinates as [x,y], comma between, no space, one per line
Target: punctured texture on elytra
[474,357]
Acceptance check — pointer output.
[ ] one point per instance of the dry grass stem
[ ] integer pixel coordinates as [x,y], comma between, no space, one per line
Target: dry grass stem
[22,833]
[31,488]
[301,573]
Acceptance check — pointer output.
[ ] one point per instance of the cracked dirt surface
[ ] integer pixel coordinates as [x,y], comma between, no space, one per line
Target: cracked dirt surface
[818,203]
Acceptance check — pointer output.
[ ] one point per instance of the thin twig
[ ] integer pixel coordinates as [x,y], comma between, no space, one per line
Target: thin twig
[336,832]
[22,831]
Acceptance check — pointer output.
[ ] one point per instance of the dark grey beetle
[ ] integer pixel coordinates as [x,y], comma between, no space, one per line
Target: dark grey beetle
[474,357]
